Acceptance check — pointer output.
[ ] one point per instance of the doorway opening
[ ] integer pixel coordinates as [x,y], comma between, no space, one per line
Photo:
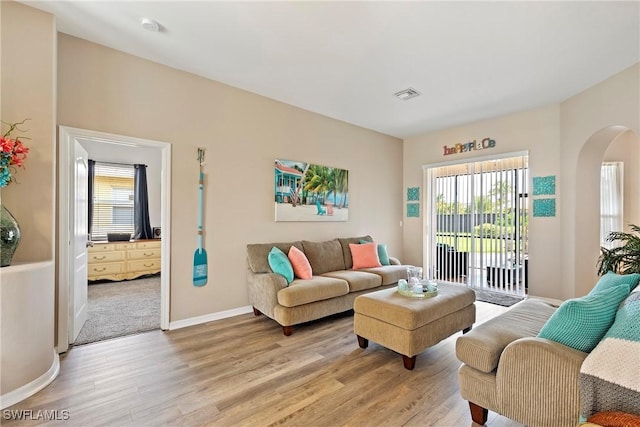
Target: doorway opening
[109,263]
[477,223]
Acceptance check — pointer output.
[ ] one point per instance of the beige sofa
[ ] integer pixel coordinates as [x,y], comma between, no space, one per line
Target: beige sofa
[508,370]
[332,289]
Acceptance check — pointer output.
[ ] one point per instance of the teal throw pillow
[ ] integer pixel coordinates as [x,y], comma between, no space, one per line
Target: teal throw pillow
[383,255]
[279,263]
[581,323]
[612,279]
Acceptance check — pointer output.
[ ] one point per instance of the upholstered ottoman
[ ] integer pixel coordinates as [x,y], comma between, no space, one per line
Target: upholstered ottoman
[409,325]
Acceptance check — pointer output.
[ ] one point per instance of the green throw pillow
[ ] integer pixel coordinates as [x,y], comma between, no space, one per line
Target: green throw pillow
[279,263]
[383,255]
[612,279]
[581,323]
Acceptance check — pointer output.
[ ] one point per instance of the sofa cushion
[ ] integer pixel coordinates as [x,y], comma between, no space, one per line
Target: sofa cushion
[481,347]
[390,273]
[364,255]
[581,323]
[612,279]
[346,252]
[300,264]
[319,288]
[258,253]
[324,256]
[279,263]
[357,280]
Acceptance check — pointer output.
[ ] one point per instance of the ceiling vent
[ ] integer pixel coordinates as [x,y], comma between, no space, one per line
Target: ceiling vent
[407,94]
[150,24]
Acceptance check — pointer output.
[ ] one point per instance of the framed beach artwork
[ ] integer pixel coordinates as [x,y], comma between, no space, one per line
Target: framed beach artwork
[310,192]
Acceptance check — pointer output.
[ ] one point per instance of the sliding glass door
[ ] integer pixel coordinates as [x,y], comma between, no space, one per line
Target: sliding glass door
[477,223]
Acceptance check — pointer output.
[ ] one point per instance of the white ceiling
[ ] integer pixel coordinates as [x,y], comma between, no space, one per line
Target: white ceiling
[470,60]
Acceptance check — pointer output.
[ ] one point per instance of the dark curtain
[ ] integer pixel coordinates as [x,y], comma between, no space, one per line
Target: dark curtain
[141,204]
[90,178]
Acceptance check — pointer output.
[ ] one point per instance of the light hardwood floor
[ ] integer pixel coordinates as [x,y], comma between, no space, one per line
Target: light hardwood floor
[242,371]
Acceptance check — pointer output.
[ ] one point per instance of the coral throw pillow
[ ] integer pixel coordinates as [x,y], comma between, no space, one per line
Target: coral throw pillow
[365,255]
[383,255]
[300,264]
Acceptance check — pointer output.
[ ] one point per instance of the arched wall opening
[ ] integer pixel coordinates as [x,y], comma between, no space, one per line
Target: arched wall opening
[587,213]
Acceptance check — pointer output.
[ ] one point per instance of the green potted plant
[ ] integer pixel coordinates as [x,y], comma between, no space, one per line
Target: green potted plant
[623,259]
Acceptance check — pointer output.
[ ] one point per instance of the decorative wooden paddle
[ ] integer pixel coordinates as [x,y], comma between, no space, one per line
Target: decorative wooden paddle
[200,255]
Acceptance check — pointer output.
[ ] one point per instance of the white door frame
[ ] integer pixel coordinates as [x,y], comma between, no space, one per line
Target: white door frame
[66,201]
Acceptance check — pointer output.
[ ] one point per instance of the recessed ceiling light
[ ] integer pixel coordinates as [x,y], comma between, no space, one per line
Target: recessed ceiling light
[407,94]
[150,24]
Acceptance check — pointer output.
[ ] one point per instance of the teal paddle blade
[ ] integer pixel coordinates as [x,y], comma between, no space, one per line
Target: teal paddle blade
[200,267]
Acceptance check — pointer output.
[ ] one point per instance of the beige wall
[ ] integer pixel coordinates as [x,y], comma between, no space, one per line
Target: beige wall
[567,140]
[28,91]
[28,55]
[105,90]
[590,121]
[535,131]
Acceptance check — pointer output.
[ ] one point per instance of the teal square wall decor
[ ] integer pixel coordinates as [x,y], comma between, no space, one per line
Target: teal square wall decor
[544,185]
[413,194]
[544,207]
[413,210]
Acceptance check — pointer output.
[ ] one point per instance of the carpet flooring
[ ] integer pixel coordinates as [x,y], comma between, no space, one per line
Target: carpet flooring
[499,298]
[121,308]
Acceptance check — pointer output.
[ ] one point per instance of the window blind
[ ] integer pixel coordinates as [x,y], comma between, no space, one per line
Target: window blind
[477,223]
[112,200]
[611,201]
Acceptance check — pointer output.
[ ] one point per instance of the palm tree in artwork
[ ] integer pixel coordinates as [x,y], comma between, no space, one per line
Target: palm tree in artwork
[295,195]
[318,180]
[342,185]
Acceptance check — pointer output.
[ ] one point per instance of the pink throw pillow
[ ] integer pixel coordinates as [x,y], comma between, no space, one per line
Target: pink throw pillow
[300,263]
[365,255]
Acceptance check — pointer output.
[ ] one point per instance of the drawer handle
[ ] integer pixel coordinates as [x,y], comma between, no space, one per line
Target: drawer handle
[150,265]
[98,258]
[146,254]
[99,270]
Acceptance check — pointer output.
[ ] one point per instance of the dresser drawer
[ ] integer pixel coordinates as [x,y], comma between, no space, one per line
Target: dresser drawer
[151,265]
[104,247]
[104,269]
[124,246]
[98,257]
[150,244]
[143,254]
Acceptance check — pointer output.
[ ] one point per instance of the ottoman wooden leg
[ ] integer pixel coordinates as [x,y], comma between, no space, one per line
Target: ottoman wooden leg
[362,342]
[409,362]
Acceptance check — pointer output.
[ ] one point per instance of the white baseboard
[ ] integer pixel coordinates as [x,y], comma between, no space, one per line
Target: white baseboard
[27,390]
[209,317]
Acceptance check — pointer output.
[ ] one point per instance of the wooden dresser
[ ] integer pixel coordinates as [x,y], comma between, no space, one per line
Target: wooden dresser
[123,260]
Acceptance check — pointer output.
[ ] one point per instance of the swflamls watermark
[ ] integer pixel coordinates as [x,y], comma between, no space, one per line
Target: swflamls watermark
[36,415]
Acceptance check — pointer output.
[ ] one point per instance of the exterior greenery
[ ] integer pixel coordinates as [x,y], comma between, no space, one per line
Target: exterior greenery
[623,259]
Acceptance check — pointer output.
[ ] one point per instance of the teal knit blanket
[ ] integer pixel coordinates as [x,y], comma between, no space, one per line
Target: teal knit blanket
[610,375]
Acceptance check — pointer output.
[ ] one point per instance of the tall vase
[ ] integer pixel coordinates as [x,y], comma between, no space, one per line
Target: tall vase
[9,236]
